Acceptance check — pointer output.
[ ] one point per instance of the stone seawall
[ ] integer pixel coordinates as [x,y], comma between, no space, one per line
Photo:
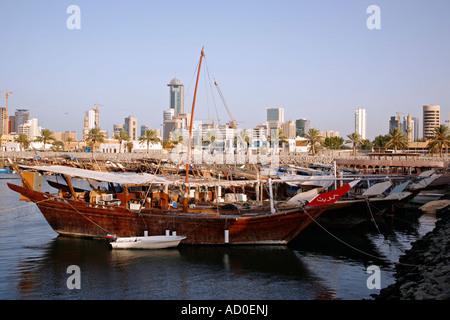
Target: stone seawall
[423,273]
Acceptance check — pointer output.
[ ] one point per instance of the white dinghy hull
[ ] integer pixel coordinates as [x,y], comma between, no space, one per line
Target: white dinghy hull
[149,242]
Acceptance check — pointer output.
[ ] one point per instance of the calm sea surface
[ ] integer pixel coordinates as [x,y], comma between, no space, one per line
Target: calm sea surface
[317,265]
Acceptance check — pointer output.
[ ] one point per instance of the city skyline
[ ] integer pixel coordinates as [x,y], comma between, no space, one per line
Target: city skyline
[316,61]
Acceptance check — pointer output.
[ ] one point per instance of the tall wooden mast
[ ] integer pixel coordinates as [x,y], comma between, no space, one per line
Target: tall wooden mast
[185,200]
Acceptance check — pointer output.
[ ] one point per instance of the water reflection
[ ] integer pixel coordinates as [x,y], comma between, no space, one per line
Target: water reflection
[186,272]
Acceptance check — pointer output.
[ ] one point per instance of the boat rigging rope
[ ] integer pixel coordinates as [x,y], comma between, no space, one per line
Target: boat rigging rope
[26,205]
[373,218]
[68,202]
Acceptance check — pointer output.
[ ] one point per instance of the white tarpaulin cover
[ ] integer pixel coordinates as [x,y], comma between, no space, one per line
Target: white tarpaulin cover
[113,177]
[321,181]
[377,189]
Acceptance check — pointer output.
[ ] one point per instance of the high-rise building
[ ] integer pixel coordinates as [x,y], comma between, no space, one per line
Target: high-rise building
[416,125]
[176,96]
[301,127]
[169,114]
[91,121]
[360,122]
[21,116]
[144,128]
[395,123]
[275,119]
[289,129]
[30,128]
[431,119]
[275,114]
[116,129]
[131,127]
[3,121]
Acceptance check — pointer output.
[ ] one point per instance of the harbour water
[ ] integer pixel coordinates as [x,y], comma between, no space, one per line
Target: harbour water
[319,264]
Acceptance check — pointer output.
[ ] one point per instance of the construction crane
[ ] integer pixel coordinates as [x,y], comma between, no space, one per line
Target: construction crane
[233,121]
[6,128]
[97,105]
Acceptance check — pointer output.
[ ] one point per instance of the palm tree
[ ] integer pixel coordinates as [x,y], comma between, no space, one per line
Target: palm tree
[355,139]
[177,137]
[315,140]
[46,136]
[121,136]
[380,141]
[95,135]
[397,139]
[149,137]
[334,143]
[440,140]
[57,145]
[129,145]
[167,143]
[23,141]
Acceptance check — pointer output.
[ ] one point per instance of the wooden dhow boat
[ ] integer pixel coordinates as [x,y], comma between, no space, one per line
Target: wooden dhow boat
[130,203]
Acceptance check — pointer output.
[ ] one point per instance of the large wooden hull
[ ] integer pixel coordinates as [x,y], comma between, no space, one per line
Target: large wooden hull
[80,219]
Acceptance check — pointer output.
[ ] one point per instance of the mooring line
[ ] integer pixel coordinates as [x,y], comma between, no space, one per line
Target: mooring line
[25,205]
[356,249]
[68,202]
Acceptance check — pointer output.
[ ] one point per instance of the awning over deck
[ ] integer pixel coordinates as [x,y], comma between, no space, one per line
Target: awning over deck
[122,178]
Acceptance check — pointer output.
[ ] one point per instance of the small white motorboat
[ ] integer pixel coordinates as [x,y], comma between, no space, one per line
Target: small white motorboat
[147,242]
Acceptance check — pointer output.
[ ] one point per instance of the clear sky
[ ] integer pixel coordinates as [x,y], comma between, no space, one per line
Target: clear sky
[315,58]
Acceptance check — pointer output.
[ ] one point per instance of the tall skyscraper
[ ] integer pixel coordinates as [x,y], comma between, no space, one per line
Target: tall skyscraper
[275,119]
[301,127]
[3,121]
[143,129]
[91,121]
[21,116]
[176,96]
[360,122]
[416,125]
[289,129]
[431,120]
[131,127]
[275,114]
[395,123]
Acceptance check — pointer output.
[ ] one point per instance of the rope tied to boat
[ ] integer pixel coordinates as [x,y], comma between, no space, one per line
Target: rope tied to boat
[26,205]
[96,224]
